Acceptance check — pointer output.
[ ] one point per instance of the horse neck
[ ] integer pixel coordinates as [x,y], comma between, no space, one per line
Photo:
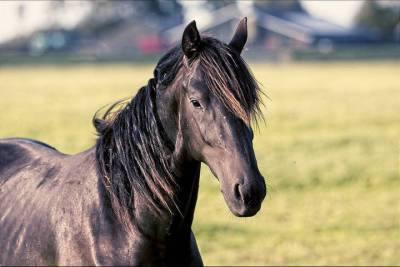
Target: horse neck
[188,183]
[185,170]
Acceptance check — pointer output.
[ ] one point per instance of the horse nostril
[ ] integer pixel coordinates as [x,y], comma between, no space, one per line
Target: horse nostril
[240,195]
[236,191]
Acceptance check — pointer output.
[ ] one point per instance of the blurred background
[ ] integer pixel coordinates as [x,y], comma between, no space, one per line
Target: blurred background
[330,144]
[126,30]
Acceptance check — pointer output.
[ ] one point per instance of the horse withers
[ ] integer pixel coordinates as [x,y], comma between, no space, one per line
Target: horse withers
[130,199]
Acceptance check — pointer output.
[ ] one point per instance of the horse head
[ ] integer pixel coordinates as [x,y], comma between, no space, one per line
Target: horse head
[207,111]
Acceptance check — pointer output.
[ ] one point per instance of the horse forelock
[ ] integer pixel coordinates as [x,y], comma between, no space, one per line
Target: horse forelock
[229,79]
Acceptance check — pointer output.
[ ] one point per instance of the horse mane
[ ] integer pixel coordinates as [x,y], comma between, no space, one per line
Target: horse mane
[229,78]
[133,153]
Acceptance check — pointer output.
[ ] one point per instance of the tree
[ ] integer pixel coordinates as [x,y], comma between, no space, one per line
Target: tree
[281,5]
[383,18]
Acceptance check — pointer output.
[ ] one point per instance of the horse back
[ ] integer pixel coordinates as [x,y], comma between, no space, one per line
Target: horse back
[16,153]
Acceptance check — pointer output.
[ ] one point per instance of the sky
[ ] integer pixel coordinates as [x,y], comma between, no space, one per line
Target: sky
[36,16]
[338,12]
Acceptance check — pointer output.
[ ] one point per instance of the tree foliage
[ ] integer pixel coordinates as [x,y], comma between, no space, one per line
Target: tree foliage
[384,18]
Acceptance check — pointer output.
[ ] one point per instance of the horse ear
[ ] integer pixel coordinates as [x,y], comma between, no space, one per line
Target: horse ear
[239,39]
[191,40]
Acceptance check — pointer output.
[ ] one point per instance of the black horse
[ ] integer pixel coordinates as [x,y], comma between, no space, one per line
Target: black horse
[130,199]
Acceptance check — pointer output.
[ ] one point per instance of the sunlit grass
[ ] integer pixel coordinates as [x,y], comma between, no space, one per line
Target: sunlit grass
[329,151]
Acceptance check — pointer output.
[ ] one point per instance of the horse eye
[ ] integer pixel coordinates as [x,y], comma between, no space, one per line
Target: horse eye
[195,103]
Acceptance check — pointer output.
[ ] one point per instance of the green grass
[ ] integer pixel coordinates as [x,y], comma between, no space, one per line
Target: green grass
[329,150]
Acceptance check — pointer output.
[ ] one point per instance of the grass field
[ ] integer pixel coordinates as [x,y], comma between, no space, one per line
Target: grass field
[329,150]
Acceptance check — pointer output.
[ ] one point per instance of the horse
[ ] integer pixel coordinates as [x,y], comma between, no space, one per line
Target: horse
[130,199]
